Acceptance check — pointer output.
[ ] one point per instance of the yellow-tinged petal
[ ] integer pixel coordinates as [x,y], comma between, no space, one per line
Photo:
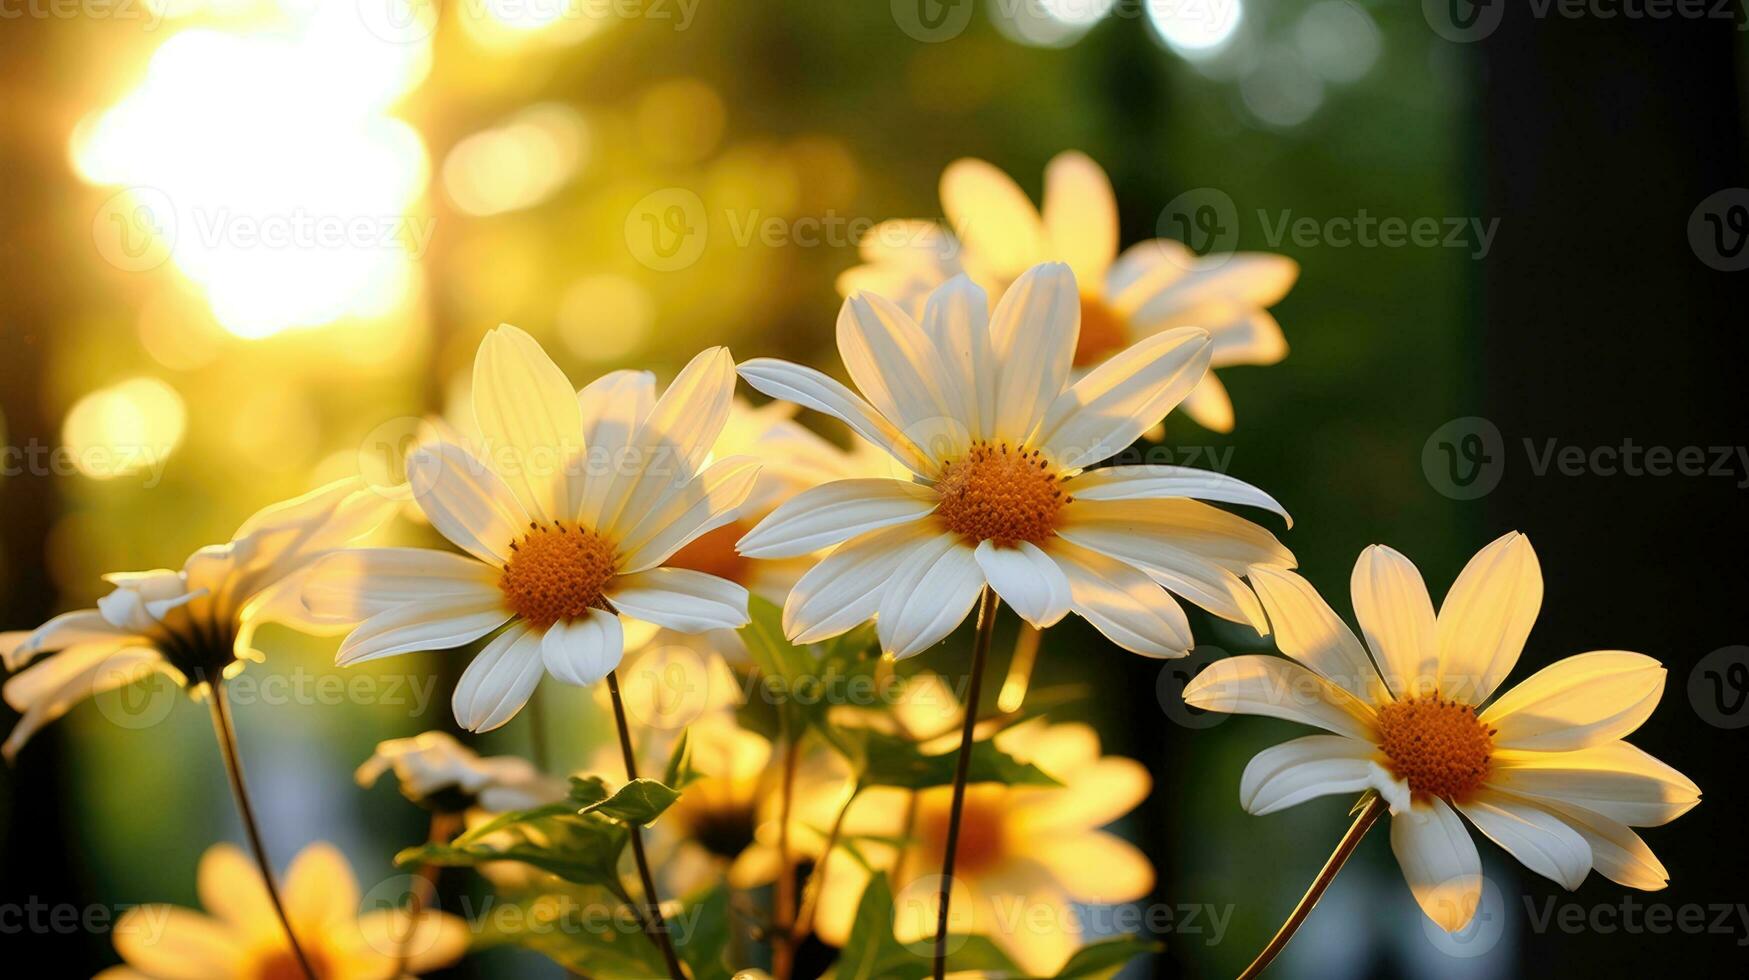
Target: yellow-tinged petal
[993,217]
[1080,214]
[1486,617]
[1439,861]
[1278,688]
[1396,614]
[528,413]
[1578,702]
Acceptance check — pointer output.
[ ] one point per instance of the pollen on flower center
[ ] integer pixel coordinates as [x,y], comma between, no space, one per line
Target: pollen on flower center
[1102,332]
[1439,747]
[994,493]
[557,572]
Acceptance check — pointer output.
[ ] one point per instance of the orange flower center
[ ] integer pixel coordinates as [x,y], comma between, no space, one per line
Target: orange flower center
[282,964]
[1103,332]
[995,493]
[1439,747]
[713,553]
[557,572]
[983,843]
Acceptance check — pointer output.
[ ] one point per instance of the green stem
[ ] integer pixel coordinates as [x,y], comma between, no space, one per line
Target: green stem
[1369,815]
[962,767]
[655,925]
[227,736]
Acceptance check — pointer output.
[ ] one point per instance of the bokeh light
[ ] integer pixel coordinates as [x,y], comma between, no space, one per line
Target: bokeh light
[1195,28]
[130,427]
[519,164]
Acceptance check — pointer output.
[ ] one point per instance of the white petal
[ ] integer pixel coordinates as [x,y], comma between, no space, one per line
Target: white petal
[1187,526]
[1027,579]
[1249,336]
[1536,837]
[465,501]
[582,651]
[1131,609]
[957,320]
[1308,630]
[992,216]
[67,629]
[673,441]
[1279,688]
[613,407]
[1126,396]
[528,414]
[1614,779]
[681,599]
[1247,280]
[499,681]
[1306,768]
[1578,702]
[928,594]
[1080,215]
[436,624]
[1160,482]
[1396,615]
[357,583]
[811,389]
[101,671]
[1033,333]
[1486,617]
[1209,405]
[1616,851]
[835,512]
[1440,862]
[896,367]
[845,588]
[703,504]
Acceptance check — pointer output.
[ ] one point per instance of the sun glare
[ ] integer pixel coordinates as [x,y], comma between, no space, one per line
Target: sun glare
[266,164]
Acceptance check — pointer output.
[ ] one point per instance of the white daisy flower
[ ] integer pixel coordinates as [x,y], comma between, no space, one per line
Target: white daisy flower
[194,625]
[978,407]
[433,767]
[1541,770]
[580,500]
[996,234]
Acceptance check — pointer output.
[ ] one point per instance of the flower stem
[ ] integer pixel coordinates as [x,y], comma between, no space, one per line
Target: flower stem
[783,950]
[444,826]
[980,652]
[227,736]
[654,924]
[816,882]
[1019,678]
[1369,815]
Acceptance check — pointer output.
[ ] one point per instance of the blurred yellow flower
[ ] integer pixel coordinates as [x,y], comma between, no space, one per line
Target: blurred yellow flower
[243,938]
[995,234]
[1027,854]
[1541,771]
[978,408]
[195,625]
[567,510]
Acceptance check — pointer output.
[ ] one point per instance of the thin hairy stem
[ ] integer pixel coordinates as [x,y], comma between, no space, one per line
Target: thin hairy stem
[980,652]
[783,948]
[226,733]
[654,924]
[1369,815]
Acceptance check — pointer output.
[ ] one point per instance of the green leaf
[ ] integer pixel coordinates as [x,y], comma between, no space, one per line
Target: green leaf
[679,773]
[584,849]
[781,661]
[701,934]
[1103,958]
[872,953]
[638,802]
[893,761]
[586,791]
[572,932]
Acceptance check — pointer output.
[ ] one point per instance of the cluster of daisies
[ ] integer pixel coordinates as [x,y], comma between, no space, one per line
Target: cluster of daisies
[998,365]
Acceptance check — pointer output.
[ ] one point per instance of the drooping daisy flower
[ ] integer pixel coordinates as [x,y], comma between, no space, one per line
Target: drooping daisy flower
[996,234]
[1541,769]
[436,770]
[567,523]
[978,407]
[241,938]
[196,625]
[1028,855]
